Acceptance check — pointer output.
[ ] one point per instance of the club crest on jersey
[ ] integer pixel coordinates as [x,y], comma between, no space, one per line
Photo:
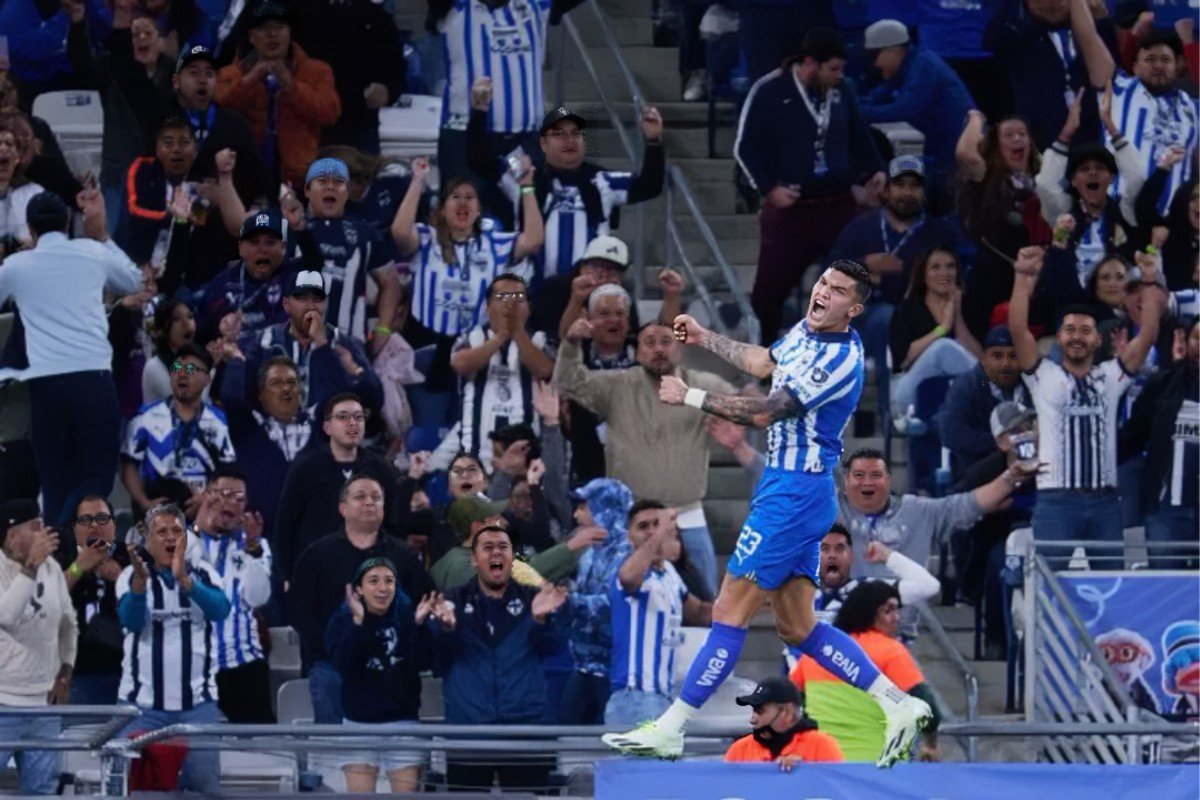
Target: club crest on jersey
[819,375]
[516,606]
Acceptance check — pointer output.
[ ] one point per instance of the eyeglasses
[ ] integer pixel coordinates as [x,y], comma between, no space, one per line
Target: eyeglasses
[504,297]
[346,416]
[186,369]
[87,520]
[560,135]
[231,494]
[465,472]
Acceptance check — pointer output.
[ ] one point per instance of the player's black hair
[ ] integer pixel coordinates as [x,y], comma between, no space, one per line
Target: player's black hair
[863,282]
[857,613]
[839,528]
[865,452]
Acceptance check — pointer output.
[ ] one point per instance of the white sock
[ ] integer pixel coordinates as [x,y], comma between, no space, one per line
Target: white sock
[885,692]
[676,716]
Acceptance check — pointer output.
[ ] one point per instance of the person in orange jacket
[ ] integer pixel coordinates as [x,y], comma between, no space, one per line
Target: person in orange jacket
[286,96]
[782,732]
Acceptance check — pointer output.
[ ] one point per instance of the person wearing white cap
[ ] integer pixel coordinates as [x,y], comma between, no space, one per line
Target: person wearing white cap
[918,88]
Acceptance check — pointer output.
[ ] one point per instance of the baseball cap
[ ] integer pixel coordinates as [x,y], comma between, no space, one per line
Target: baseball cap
[197,52]
[906,165]
[999,336]
[608,248]
[307,282]
[14,512]
[327,168]
[885,33]
[1008,415]
[266,11]
[269,220]
[776,689]
[558,115]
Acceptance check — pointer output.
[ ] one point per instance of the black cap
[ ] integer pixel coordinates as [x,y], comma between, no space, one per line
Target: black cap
[46,212]
[269,220]
[196,52]
[1092,151]
[514,433]
[776,689]
[558,115]
[266,11]
[14,512]
[193,350]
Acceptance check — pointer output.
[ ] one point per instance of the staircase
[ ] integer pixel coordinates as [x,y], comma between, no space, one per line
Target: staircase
[655,71]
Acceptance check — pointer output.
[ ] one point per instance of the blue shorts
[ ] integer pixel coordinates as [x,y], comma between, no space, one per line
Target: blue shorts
[790,514]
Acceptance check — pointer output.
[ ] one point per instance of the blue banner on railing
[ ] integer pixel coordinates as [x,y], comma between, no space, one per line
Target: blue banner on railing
[1147,625]
[624,779]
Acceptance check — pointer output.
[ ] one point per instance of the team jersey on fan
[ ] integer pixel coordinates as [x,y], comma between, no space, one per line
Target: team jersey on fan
[824,373]
[449,298]
[164,446]
[246,581]
[1152,123]
[646,631]
[170,663]
[1077,423]
[506,43]
[349,250]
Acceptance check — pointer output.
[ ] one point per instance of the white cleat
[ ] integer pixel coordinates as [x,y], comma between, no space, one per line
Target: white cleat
[905,721]
[648,740]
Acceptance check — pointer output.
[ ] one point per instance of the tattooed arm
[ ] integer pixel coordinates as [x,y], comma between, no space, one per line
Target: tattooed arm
[748,358]
[760,411]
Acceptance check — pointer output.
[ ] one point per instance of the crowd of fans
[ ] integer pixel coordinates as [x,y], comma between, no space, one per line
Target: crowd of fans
[424,428]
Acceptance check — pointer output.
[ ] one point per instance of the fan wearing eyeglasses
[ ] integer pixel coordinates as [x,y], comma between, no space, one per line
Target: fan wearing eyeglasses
[175,444]
[92,578]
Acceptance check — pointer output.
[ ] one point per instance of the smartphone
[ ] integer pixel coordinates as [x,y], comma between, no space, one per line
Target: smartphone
[515,167]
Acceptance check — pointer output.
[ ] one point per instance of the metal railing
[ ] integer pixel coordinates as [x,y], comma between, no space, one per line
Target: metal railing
[1067,677]
[678,192]
[969,679]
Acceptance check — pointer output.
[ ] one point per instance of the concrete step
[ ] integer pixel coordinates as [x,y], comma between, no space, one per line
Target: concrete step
[725,517]
[729,483]
[680,143]
[707,272]
[616,9]
[724,226]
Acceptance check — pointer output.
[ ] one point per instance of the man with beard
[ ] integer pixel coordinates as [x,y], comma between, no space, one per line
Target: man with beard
[660,449]
[1153,114]
[231,542]
[804,147]
[782,731]
[251,289]
[963,421]
[888,242]
[1095,222]
[491,657]
[1077,404]
[1165,423]
[176,443]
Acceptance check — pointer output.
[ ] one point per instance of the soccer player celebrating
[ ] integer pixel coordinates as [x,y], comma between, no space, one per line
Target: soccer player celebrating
[816,373]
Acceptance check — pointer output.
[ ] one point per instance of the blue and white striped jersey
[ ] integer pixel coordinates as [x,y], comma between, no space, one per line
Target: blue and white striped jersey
[164,446]
[1152,123]
[823,371]
[507,44]
[449,298]
[646,631]
[169,664]
[247,583]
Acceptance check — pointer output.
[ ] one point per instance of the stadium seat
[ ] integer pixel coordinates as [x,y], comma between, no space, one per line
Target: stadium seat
[285,649]
[410,128]
[258,772]
[295,703]
[77,119]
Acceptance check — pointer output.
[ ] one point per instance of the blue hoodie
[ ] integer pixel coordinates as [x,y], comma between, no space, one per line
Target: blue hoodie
[609,502]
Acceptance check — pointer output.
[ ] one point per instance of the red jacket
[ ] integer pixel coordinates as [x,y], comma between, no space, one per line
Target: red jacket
[308,106]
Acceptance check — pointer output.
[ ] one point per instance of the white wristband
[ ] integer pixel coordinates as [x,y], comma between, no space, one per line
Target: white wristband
[695,398]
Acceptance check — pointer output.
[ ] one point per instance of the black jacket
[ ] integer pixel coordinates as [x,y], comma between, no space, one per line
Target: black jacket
[1151,427]
[318,585]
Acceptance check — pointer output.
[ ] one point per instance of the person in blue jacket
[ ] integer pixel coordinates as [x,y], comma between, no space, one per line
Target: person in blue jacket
[490,658]
[918,88]
[379,644]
